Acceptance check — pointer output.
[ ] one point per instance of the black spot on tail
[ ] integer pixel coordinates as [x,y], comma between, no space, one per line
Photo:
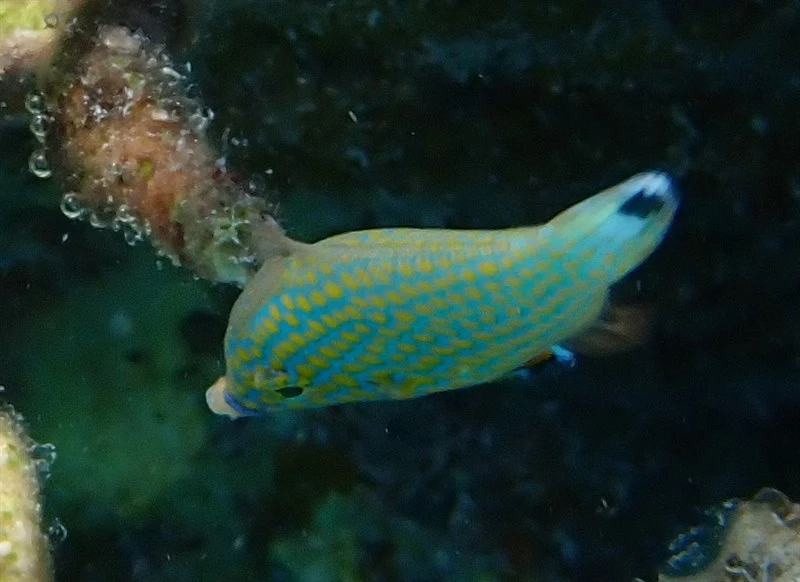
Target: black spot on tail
[642,204]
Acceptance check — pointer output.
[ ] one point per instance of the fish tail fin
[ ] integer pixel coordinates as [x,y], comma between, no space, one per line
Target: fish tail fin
[616,229]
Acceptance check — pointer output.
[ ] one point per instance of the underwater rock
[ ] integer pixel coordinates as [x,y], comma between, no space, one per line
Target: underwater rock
[756,540]
[24,554]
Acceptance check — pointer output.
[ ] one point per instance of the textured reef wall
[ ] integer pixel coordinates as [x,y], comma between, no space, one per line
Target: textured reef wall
[352,115]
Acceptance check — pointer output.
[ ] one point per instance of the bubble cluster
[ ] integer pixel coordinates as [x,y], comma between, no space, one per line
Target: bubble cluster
[36,106]
[118,218]
[43,457]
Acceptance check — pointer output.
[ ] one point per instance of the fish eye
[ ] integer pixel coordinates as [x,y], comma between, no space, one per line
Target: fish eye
[290,391]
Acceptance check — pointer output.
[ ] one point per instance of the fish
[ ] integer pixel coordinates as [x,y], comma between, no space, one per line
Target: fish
[399,313]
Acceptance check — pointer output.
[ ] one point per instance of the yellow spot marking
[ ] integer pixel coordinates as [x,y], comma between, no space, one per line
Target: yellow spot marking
[340,345]
[507,263]
[424,309]
[351,337]
[349,281]
[461,344]
[381,378]
[395,357]
[351,312]
[404,317]
[493,287]
[364,278]
[488,269]
[269,325]
[345,380]
[443,351]
[395,297]
[429,361]
[456,299]
[333,290]
[329,352]
[425,287]
[376,348]
[512,281]
[353,368]
[287,301]
[306,370]
[379,318]
[379,302]
[405,270]
[359,302]
[470,325]
[326,269]
[268,398]
[311,278]
[411,386]
[468,275]
[473,293]
[425,266]
[424,338]
[292,320]
[283,350]
[485,336]
[303,303]
[274,313]
[408,290]
[329,320]
[298,340]
[318,298]
[243,355]
[406,348]
[382,275]
[316,327]
[361,328]
[444,263]
[390,332]
[319,362]
[371,359]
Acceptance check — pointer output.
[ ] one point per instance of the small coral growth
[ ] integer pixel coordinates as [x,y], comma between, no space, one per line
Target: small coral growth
[24,554]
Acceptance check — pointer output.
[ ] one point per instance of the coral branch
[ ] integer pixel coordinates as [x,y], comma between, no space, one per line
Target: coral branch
[134,145]
[24,553]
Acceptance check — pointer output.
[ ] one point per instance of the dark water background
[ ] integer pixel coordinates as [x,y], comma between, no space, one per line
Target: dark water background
[438,114]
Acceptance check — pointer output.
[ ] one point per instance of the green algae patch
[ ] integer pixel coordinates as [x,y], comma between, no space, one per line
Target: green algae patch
[113,385]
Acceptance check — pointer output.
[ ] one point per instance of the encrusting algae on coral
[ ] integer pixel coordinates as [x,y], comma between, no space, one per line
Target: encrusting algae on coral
[24,551]
[132,144]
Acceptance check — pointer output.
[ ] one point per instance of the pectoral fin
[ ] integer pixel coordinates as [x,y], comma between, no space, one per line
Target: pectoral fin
[621,328]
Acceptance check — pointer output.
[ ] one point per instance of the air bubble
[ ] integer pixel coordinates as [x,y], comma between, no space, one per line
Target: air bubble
[56,533]
[132,237]
[39,126]
[98,221]
[44,456]
[39,165]
[71,206]
[34,103]
[125,214]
